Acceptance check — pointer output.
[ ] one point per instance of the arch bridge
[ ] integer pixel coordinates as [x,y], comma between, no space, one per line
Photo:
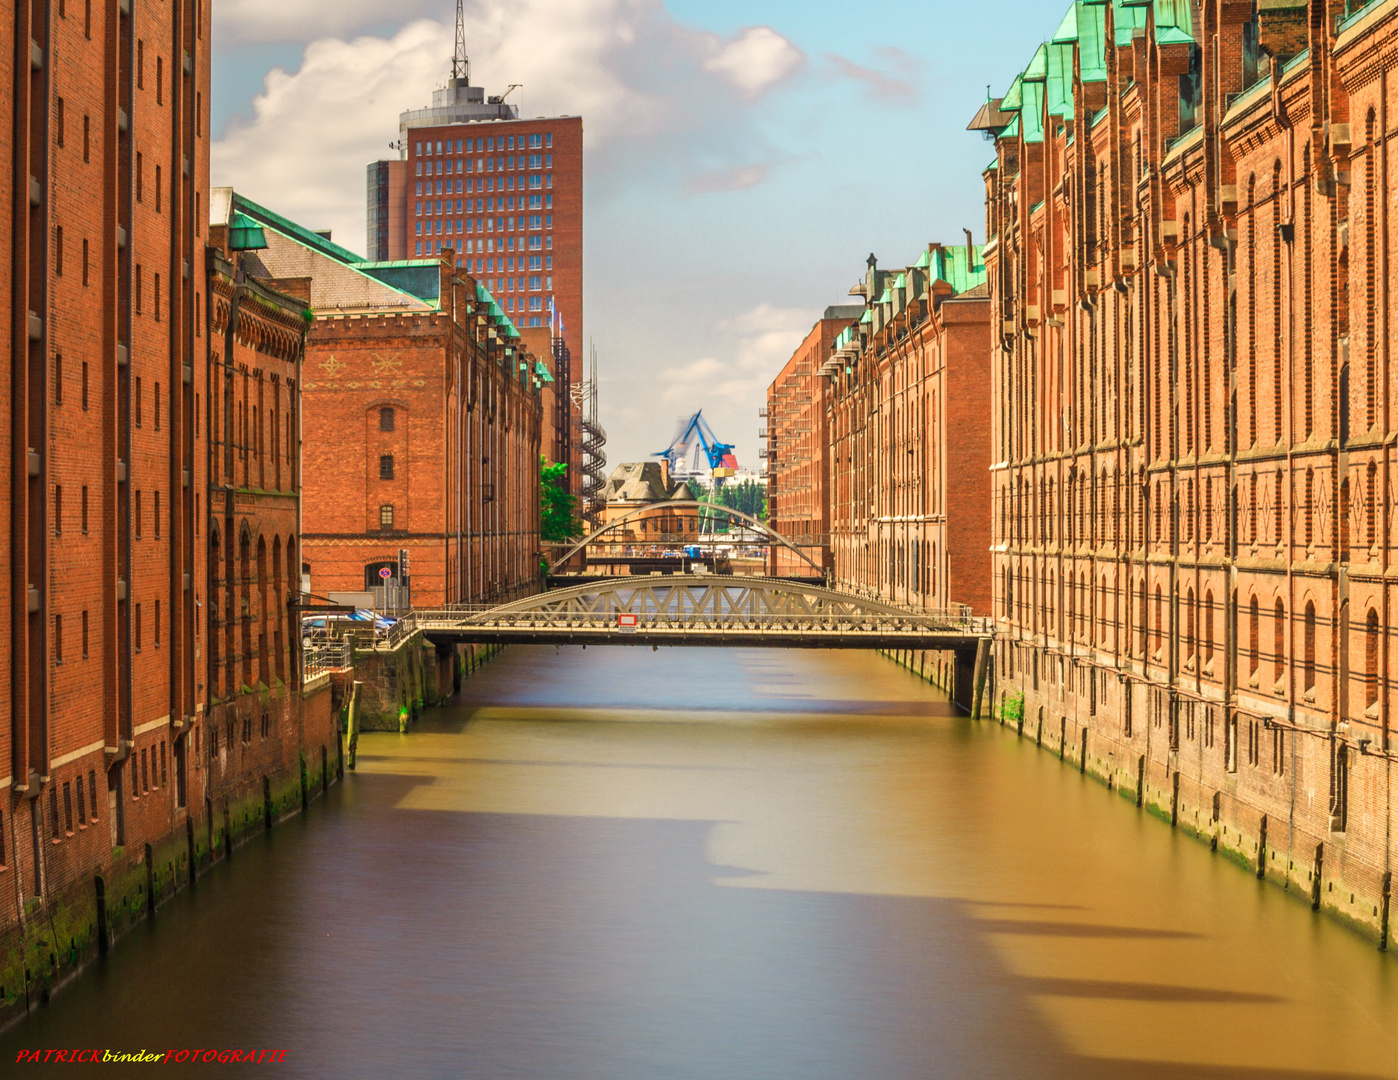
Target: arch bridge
[745,612]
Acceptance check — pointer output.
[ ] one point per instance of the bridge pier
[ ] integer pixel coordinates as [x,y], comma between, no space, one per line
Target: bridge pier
[971,671]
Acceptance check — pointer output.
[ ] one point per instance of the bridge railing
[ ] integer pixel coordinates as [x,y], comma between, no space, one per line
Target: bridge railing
[699,621]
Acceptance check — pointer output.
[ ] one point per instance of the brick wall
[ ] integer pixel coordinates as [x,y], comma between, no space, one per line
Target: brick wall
[1190,414]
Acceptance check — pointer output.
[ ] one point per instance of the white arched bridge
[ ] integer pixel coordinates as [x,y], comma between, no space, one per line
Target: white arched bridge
[743,612]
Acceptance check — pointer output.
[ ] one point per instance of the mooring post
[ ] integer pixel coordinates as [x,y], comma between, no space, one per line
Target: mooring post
[982,669]
[352,734]
[102,940]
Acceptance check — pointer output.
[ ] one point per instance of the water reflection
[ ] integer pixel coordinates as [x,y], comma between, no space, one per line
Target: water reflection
[706,863]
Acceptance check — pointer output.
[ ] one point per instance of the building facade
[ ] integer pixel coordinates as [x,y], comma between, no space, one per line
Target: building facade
[424,419]
[906,392]
[1188,262]
[504,194]
[797,464]
[108,687]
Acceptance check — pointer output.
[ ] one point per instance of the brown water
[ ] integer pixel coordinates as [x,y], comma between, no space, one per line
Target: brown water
[626,865]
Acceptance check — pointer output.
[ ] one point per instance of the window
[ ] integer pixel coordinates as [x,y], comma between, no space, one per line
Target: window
[58,639]
[87,142]
[160,80]
[92,789]
[58,251]
[385,466]
[68,807]
[84,635]
[136,623]
[84,380]
[58,119]
[140,177]
[57,509]
[1309,683]
[157,515]
[53,812]
[84,275]
[82,803]
[83,509]
[157,407]
[1371,659]
[386,517]
[136,516]
[145,770]
[157,624]
[163,775]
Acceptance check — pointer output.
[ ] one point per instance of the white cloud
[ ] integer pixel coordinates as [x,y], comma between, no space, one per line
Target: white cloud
[658,99]
[894,83]
[737,178]
[763,339]
[239,22]
[756,60]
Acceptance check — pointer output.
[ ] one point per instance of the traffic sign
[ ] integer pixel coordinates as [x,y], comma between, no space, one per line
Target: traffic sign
[385,572]
[626,623]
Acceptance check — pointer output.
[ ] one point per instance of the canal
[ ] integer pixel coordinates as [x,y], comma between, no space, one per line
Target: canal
[628,865]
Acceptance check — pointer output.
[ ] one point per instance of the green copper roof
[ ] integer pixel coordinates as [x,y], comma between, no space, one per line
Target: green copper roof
[299,233]
[541,370]
[960,269]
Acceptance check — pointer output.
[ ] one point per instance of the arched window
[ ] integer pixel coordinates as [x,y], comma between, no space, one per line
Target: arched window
[1371,658]
[1208,627]
[1370,507]
[1369,232]
[263,673]
[388,419]
[278,606]
[1191,628]
[244,612]
[1278,641]
[1309,683]
[1159,617]
[1254,632]
[216,612]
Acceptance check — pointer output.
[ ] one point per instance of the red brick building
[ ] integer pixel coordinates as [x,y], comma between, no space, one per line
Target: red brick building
[504,194]
[113,300]
[797,460]
[423,425]
[907,388]
[1188,262]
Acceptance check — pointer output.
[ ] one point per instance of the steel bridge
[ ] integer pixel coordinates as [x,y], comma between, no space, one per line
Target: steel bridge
[745,612]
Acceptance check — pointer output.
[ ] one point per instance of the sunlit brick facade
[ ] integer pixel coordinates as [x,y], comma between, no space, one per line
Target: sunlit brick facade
[114,288]
[1193,431]
[424,418]
[906,393]
[797,455]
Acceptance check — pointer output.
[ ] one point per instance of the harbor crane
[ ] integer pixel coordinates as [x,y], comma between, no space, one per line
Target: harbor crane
[694,437]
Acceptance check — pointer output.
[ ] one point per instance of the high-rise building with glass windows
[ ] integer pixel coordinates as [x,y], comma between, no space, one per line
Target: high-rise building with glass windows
[502,193]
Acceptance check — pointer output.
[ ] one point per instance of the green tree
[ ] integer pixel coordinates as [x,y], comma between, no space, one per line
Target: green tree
[557,504]
[748,497]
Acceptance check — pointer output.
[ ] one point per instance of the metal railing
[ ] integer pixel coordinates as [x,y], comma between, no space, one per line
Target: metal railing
[708,608]
[322,657]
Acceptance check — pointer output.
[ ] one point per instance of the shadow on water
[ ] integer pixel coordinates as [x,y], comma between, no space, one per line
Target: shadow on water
[376,938]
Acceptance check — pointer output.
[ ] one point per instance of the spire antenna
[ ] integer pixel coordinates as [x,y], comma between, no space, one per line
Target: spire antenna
[460,62]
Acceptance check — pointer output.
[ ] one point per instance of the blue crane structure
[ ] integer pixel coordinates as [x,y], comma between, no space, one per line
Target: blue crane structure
[693,437]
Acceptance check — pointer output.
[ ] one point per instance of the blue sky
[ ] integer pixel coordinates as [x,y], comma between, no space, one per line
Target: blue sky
[742,159]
